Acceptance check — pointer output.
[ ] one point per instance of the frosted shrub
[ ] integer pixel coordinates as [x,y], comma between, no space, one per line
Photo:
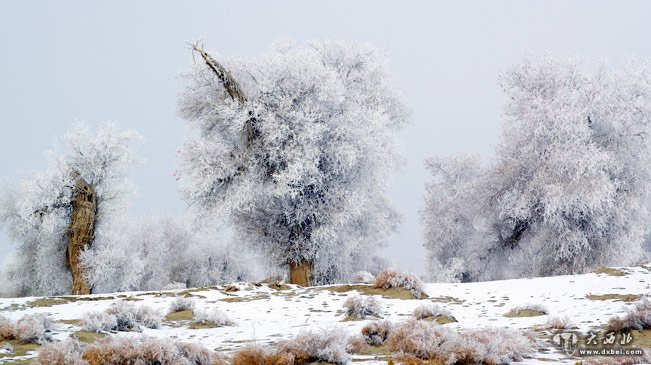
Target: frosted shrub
[180,304]
[61,353]
[147,350]
[375,333]
[429,341]
[492,346]
[35,328]
[419,339]
[326,345]
[212,318]
[361,306]
[430,310]
[99,322]
[560,323]
[130,316]
[393,279]
[122,316]
[639,318]
[363,277]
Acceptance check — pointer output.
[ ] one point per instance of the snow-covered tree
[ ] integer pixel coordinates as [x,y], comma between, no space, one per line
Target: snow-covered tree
[296,148]
[569,187]
[52,212]
[152,252]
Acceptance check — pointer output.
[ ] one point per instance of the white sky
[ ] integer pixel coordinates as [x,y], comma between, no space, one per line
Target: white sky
[93,61]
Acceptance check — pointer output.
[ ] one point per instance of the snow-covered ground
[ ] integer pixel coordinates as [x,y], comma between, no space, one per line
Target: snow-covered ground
[266,315]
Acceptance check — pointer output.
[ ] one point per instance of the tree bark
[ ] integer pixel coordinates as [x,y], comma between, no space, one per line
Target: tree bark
[300,273]
[81,233]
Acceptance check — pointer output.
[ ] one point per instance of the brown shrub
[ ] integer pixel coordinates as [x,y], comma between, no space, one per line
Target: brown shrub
[251,354]
[560,323]
[639,318]
[375,333]
[6,329]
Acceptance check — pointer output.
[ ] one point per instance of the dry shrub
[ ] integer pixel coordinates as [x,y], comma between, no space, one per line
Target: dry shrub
[147,351]
[122,316]
[180,304]
[357,344]
[560,323]
[35,328]
[428,341]
[6,329]
[361,306]
[327,345]
[61,353]
[375,333]
[252,354]
[639,318]
[212,318]
[388,279]
[431,310]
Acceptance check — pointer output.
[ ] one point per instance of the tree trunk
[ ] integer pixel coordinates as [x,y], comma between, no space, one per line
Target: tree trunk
[301,272]
[81,233]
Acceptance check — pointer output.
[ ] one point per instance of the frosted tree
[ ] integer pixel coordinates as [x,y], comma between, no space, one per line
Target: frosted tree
[569,188]
[152,252]
[56,214]
[296,148]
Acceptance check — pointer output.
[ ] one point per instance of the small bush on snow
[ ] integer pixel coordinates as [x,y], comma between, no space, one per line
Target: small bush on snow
[328,345]
[429,341]
[212,318]
[99,322]
[431,310]
[560,323]
[362,306]
[180,304]
[35,328]
[527,310]
[639,318]
[122,316]
[363,277]
[61,353]
[375,333]
[393,279]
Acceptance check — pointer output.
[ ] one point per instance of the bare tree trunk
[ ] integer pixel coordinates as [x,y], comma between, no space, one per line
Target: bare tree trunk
[81,233]
[300,273]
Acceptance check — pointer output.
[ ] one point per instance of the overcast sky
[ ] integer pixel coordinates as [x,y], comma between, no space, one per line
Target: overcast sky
[65,61]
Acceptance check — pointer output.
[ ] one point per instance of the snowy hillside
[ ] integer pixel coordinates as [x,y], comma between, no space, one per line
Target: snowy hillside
[266,313]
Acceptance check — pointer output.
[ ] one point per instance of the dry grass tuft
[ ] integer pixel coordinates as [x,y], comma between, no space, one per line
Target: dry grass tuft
[527,310]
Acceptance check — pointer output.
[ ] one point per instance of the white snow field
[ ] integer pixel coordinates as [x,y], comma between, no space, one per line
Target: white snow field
[264,314]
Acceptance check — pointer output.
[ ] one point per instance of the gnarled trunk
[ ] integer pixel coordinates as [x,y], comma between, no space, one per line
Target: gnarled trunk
[301,272]
[81,233]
